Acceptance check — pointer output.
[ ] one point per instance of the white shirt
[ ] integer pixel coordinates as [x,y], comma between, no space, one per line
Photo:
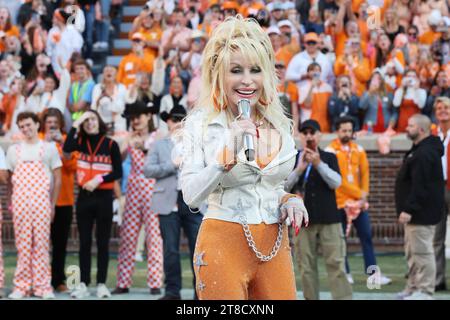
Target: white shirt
[246,189]
[31,152]
[106,106]
[419,96]
[70,42]
[298,66]
[444,157]
[2,160]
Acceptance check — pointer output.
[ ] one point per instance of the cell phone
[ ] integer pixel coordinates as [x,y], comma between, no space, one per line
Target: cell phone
[310,144]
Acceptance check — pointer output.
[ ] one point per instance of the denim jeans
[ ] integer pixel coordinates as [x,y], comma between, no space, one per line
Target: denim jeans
[362,226]
[88,33]
[171,225]
[102,27]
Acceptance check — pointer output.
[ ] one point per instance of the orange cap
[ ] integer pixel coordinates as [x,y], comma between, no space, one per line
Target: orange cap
[230,5]
[311,36]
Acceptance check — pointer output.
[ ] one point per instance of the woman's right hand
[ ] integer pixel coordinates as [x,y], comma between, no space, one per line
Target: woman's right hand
[80,120]
[237,131]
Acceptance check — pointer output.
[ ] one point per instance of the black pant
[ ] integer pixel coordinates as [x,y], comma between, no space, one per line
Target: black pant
[59,235]
[94,207]
[170,230]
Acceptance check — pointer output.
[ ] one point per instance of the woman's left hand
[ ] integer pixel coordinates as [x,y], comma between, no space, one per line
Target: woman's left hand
[91,185]
[295,210]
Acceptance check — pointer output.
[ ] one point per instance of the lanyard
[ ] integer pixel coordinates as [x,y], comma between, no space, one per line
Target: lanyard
[92,154]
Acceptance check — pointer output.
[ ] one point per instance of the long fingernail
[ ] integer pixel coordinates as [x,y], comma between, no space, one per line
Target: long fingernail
[297,229]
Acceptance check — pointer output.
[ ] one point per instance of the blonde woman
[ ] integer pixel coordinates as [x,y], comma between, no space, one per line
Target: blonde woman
[242,249]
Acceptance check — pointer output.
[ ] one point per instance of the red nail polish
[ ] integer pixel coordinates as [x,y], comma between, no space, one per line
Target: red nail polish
[297,229]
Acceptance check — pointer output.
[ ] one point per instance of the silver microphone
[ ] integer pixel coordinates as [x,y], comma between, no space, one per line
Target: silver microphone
[245,110]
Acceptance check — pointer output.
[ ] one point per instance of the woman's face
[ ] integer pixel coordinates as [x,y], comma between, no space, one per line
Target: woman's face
[147,22]
[51,123]
[344,83]
[355,46]
[383,42]
[91,124]
[41,64]
[243,80]
[441,79]
[376,81]
[352,28]
[389,15]
[50,84]
[176,86]
[140,122]
[4,69]
[4,14]
[109,74]
[144,82]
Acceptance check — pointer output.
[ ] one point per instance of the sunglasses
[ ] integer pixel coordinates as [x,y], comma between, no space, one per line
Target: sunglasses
[279,66]
[412,34]
[311,43]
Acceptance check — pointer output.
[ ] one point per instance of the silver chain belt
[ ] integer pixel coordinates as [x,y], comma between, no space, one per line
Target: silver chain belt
[252,244]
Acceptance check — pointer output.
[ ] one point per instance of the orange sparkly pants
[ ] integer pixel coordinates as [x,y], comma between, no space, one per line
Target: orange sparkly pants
[227,268]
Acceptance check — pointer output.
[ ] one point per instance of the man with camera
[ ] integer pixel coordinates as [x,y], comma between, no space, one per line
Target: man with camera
[315,177]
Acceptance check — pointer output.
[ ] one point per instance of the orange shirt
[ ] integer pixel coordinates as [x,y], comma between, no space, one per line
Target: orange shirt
[69,167]
[14,31]
[429,37]
[287,52]
[132,64]
[152,34]
[318,110]
[341,39]
[9,104]
[360,74]
[354,168]
[290,89]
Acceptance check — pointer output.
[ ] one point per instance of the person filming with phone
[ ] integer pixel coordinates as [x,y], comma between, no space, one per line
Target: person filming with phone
[409,99]
[315,178]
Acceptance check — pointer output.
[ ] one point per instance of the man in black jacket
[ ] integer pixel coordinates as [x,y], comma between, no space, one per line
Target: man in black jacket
[419,197]
[315,177]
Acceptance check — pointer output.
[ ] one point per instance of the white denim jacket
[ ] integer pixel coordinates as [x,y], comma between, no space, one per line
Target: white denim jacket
[244,190]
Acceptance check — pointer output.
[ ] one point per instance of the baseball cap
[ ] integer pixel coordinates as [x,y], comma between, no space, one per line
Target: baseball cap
[285,23]
[273,29]
[138,36]
[311,36]
[309,124]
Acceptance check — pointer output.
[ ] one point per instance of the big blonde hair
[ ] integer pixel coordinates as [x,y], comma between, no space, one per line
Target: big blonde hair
[246,36]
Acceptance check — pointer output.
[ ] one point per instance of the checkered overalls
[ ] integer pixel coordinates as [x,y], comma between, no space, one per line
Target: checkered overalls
[31,219]
[137,211]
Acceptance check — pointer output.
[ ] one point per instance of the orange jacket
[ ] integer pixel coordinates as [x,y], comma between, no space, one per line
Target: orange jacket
[359,75]
[353,165]
[131,65]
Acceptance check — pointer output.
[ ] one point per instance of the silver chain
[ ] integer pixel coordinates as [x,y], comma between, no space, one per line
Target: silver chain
[252,244]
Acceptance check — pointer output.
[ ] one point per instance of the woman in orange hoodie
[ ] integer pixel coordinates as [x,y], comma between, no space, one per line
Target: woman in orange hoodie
[354,64]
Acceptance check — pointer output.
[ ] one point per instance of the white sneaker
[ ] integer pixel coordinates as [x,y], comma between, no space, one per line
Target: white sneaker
[385,280]
[96,45]
[16,295]
[419,295]
[48,295]
[138,257]
[349,278]
[103,291]
[81,291]
[402,295]
[104,45]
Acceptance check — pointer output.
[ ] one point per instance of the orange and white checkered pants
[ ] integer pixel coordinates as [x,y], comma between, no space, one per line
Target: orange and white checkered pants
[137,211]
[31,219]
